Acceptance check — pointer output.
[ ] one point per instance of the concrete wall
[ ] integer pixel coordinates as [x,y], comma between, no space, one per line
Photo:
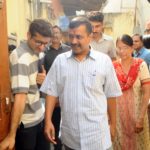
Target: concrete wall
[120,16]
[132,18]
[119,23]
[119,6]
[21,12]
[142,15]
[18,16]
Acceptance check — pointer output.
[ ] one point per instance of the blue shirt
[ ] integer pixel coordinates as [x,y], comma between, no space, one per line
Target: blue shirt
[144,54]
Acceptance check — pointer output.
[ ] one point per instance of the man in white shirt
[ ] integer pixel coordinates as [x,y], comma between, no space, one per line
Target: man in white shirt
[87,87]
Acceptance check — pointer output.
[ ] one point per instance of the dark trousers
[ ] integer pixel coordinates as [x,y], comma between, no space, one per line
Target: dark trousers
[31,138]
[56,122]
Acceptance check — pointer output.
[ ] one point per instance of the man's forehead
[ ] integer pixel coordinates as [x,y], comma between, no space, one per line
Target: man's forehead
[41,38]
[78,29]
[56,30]
[136,37]
[96,23]
[38,35]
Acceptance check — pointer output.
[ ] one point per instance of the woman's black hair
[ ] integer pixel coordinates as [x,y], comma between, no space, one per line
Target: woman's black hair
[126,39]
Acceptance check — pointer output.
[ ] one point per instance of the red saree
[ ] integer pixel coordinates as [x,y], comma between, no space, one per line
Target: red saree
[126,104]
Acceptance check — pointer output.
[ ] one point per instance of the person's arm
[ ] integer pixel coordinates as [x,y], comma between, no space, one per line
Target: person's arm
[17,111]
[49,130]
[41,76]
[145,101]
[111,104]
[50,88]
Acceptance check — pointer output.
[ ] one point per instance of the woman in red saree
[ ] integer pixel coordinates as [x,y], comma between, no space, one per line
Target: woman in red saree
[132,121]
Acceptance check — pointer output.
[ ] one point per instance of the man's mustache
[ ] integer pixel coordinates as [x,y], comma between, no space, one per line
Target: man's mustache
[75,45]
[95,32]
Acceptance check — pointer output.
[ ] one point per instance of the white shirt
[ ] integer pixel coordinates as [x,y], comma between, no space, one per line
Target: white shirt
[83,88]
[105,45]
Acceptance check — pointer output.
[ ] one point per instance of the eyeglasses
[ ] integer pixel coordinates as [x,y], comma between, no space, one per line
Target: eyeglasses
[40,43]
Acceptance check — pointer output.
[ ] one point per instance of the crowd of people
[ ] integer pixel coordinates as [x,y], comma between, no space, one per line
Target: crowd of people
[85,94]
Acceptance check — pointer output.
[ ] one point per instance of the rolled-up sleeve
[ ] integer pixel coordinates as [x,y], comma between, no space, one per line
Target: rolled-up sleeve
[111,86]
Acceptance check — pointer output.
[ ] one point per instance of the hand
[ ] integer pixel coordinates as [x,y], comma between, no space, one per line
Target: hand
[139,126]
[41,76]
[8,143]
[112,131]
[49,131]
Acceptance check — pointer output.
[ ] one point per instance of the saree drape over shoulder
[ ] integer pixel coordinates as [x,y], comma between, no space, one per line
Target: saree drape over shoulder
[129,106]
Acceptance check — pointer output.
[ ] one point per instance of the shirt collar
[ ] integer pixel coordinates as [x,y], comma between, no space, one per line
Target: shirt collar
[25,45]
[103,38]
[69,54]
[139,52]
[91,54]
[60,47]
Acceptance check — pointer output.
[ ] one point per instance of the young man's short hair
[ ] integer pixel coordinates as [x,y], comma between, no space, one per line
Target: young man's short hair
[95,16]
[40,26]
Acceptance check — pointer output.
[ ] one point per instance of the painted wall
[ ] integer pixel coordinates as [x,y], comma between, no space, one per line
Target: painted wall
[119,6]
[142,15]
[119,23]
[21,12]
[18,16]
[121,16]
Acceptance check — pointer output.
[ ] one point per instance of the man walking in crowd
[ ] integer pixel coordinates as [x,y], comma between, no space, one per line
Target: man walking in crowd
[84,80]
[140,50]
[56,48]
[26,129]
[100,41]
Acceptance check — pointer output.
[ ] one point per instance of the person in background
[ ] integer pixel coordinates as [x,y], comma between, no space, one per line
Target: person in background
[140,50]
[26,128]
[65,38]
[56,48]
[147,27]
[100,41]
[134,78]
[84,83]
[146,41]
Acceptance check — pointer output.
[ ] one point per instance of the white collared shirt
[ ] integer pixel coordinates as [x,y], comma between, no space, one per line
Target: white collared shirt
[105,45]
[83,88]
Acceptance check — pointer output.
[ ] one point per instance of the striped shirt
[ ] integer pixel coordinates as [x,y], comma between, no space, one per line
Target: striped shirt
[83,88]
[24,69]
[105,45]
